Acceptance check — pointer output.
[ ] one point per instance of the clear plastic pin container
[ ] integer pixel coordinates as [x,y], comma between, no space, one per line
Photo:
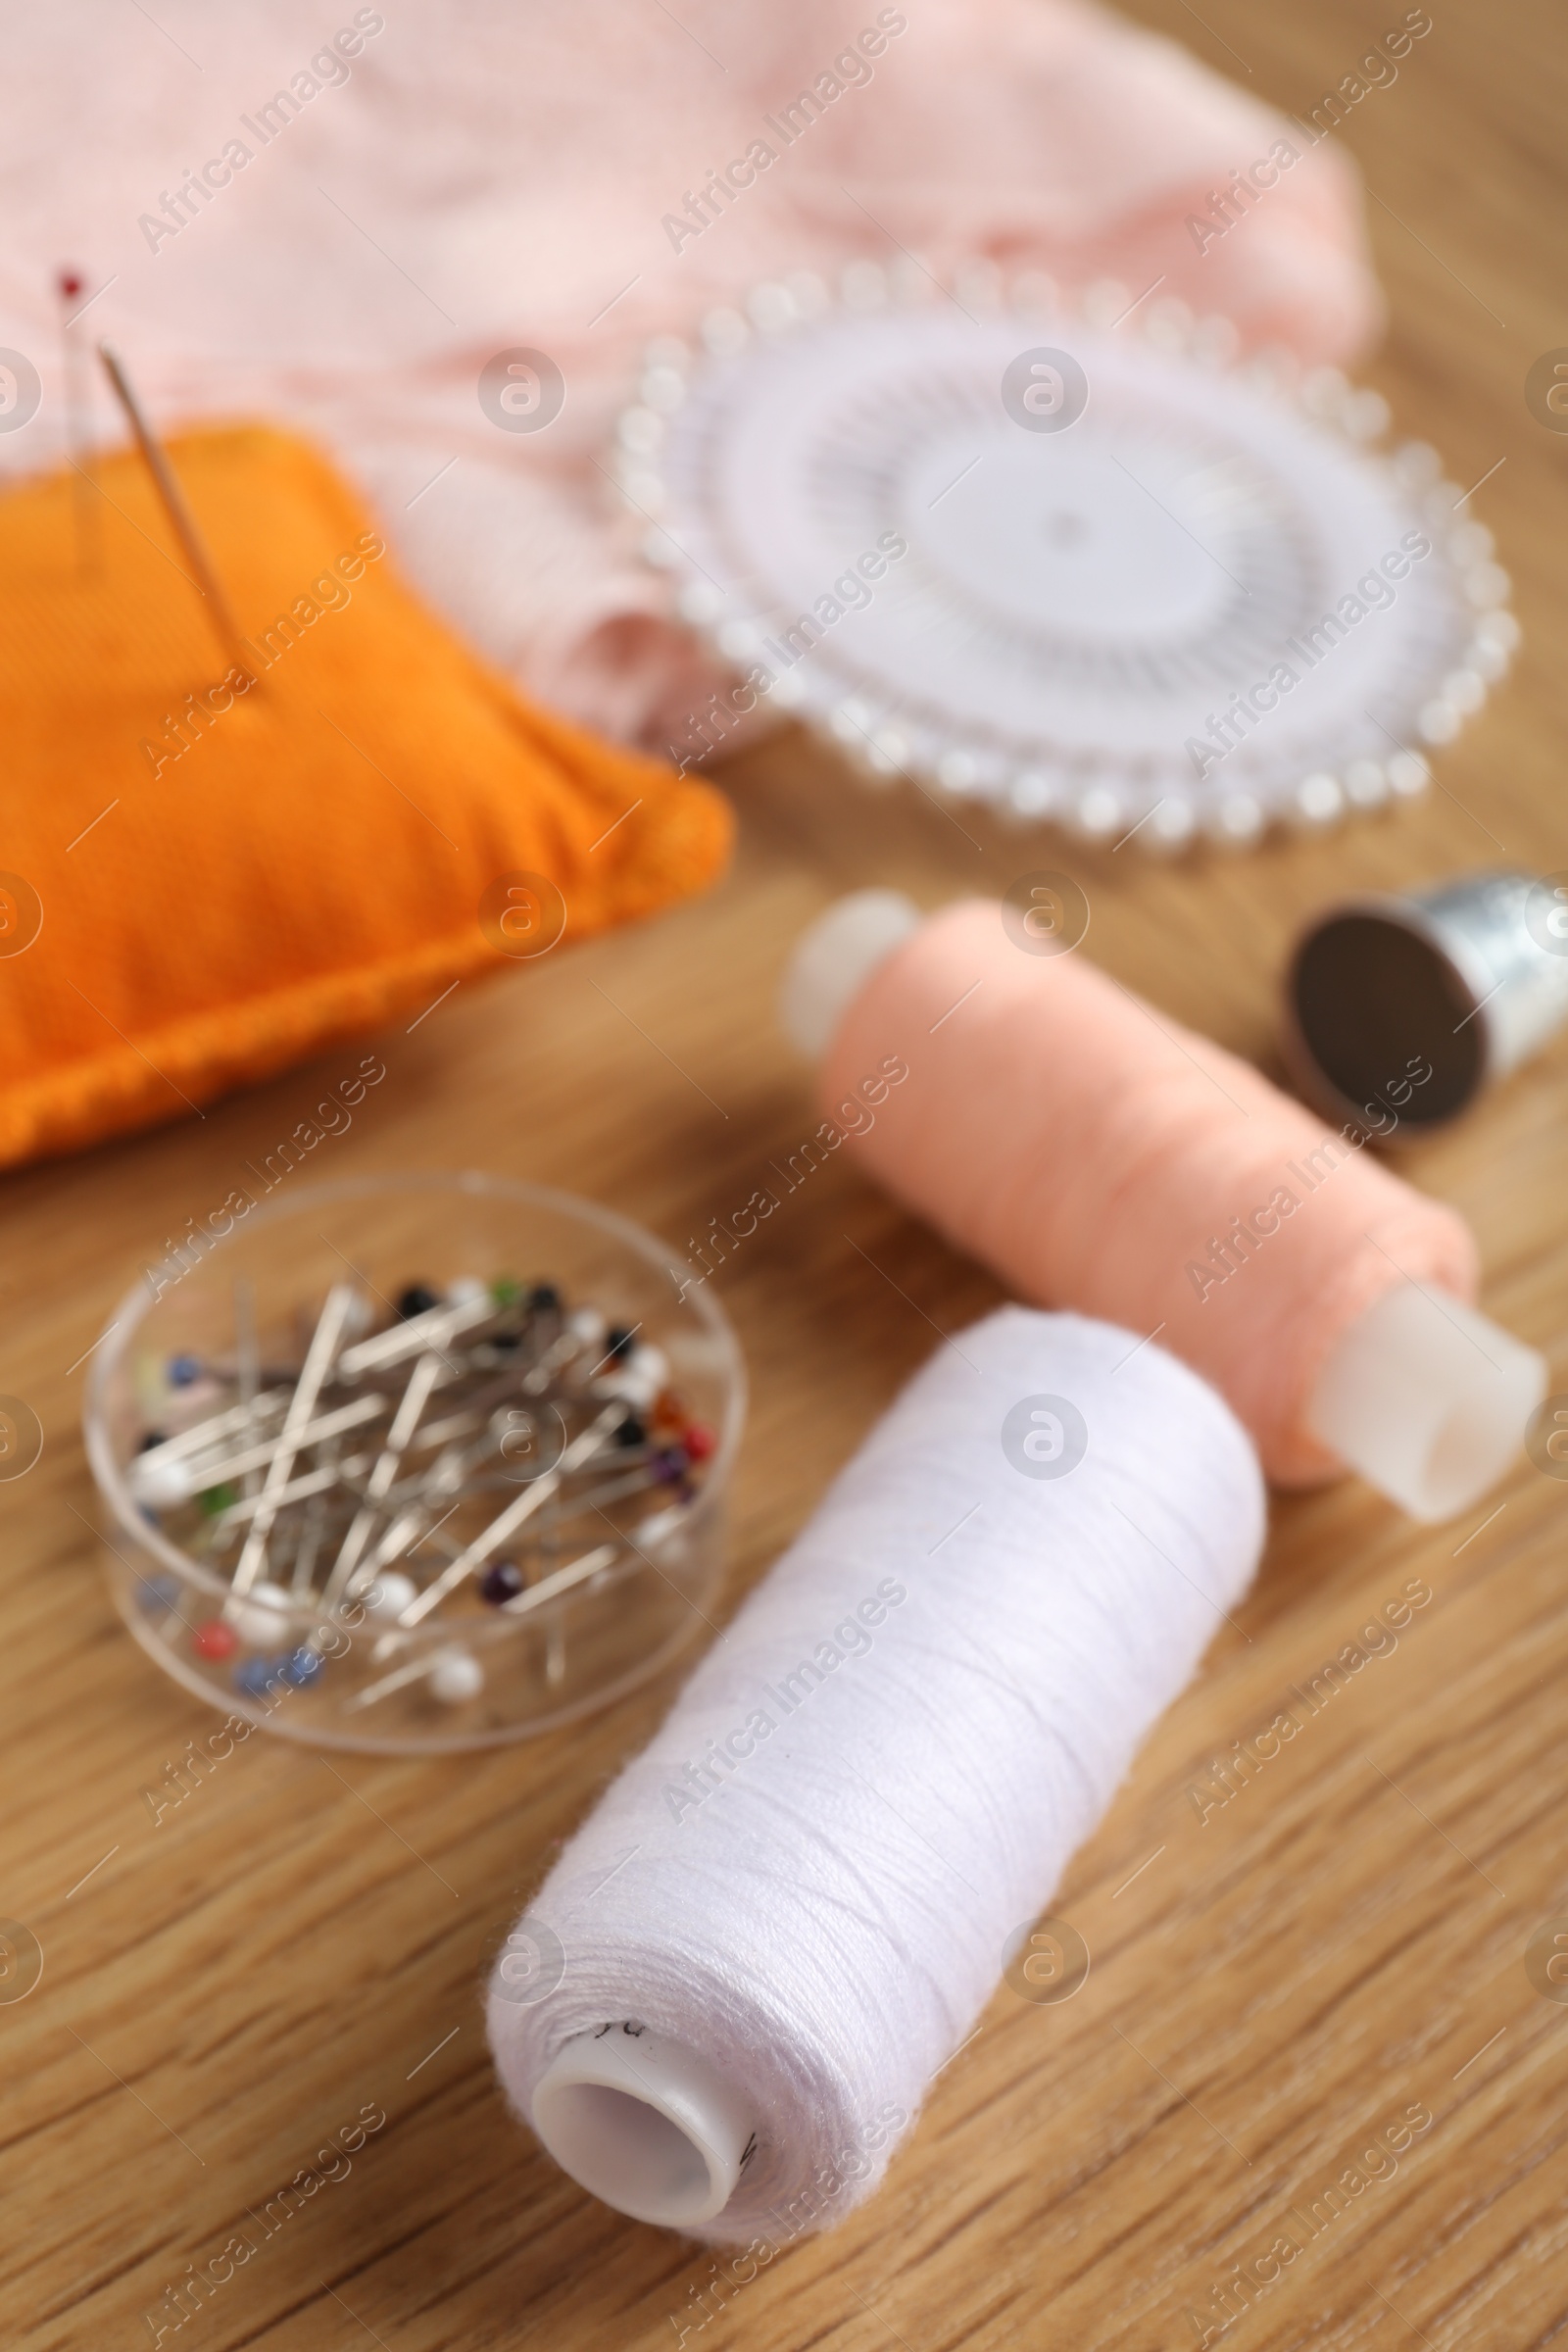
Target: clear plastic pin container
[415,1464]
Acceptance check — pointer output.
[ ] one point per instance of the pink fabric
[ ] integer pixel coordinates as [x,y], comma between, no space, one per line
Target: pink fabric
[497,172]
[1090,1150]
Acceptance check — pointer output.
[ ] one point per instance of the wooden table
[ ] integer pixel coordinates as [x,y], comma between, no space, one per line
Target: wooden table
[1339,1944]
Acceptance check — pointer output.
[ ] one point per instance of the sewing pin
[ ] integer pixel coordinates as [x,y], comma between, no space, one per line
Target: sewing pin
[404,1534]
[203,1434]
[430,1329]
[176,1479]
[455,1674]
[247,1352]
[531,1499]
[416,1395]
[155,458]
[323,1347]
[577,1572]
[562,1579]
[308,1483]
[301,1576]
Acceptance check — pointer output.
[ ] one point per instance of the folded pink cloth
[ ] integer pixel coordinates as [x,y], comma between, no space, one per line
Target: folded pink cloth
[386,198]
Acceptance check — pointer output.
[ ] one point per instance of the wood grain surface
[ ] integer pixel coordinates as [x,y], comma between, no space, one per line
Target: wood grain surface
[1278,1987]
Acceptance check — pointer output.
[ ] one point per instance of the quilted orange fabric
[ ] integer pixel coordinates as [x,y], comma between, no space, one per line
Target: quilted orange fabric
[215,862]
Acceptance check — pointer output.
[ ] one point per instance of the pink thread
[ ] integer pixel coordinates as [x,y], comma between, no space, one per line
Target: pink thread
[1092,1152]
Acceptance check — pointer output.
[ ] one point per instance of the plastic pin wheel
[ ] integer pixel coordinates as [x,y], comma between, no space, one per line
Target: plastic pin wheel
[1145,589]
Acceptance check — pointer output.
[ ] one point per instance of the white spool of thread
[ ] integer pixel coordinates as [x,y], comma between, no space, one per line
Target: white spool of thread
[785,1916]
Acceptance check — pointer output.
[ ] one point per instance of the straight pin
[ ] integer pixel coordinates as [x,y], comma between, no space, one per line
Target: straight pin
[405,1421]
[491,1538]
[302,1579]
[406,1529]
[156,459]
[538,1596]
[202,1434]
[431,1329]
[398,1680]
[204,1473]
[247,1351]
[551,1587]
[308,1483]
[323,1347]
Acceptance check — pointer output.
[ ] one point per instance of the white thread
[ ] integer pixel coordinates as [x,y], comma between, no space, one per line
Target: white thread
[823,1924]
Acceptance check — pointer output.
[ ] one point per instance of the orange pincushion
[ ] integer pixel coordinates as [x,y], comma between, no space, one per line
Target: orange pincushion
[201,880]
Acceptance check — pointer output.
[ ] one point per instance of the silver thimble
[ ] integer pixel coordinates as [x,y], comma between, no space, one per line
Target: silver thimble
[1400,1010]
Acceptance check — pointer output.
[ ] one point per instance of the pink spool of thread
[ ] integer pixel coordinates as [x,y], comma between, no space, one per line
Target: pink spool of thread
[1099,1156]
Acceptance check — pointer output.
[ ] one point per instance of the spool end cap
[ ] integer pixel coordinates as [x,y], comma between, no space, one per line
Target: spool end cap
[834,958]
[1428,1399]
[644,2123]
